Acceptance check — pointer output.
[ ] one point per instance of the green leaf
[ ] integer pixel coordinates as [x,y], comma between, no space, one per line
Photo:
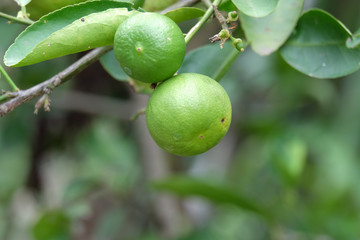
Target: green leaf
[186,186]
[256,8]
[112,66]
[69,30]
[267,34]
[53,225]
[184,14]
[210,60]
[289,158]
[317,47]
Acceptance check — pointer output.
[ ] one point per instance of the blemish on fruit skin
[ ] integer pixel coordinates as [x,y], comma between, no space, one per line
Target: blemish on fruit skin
[201,136]
[139,49]
[223,120]
[83,19]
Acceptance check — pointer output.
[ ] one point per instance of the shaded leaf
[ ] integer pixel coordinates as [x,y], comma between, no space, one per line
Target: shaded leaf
[256,8]
[317,47]
[112,66]
[69,30]
[184,14]
[267,34]
[210,60]
[186,186]
[289,158]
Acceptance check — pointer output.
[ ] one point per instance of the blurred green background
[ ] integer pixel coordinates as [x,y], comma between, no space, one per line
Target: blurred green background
[288,168]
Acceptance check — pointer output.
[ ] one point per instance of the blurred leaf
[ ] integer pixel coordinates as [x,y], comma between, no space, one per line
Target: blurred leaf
[268,33]
[109,225]
[256,8]
[289,156]
[79,188]
[53,225]
[13,169]
[317,47]
[186,186]
[210,60]
[184,14]
[109,157]
[112,66]
[69,30]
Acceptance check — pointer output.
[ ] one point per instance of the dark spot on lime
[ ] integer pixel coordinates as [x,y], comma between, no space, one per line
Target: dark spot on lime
[201,136]
[223,120]
[83,19]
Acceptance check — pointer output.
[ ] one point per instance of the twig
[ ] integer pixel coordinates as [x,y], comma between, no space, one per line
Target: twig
[47,86]
[8,78]
[201,22]
[221,18]
[15,19]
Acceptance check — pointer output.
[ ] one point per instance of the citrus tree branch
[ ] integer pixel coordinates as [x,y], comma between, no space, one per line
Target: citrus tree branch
[15,19]
[46,87]
[201,22]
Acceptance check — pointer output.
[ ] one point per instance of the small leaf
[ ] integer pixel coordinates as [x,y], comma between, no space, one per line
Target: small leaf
[22,3]
[256,8]
[210,60]
[112,66]
[184,14]
[317,47]
[289,158]
[69,30]
[354,41]
[52,225]
[185,186]
[267,34]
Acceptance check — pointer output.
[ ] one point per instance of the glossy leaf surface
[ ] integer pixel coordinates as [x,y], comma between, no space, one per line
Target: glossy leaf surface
[318,47]
[69,30]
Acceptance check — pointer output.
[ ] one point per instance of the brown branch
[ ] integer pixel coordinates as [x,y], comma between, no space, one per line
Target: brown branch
[49,85]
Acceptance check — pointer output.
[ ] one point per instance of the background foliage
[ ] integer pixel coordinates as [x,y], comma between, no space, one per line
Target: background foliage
[287,169]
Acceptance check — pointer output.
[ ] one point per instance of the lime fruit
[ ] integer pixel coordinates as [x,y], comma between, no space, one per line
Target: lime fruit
[188,114]
[157,5]
[150,47]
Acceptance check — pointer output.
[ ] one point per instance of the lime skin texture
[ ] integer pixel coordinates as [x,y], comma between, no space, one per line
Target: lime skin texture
[150,47]
[188,114]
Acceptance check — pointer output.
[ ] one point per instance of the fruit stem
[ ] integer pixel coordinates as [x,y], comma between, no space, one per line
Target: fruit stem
[226,64]
[15,19]
[10,81]
[201,22]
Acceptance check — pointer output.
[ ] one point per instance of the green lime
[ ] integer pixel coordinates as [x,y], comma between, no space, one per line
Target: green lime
[188,114]
[157,5]
[150,47]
